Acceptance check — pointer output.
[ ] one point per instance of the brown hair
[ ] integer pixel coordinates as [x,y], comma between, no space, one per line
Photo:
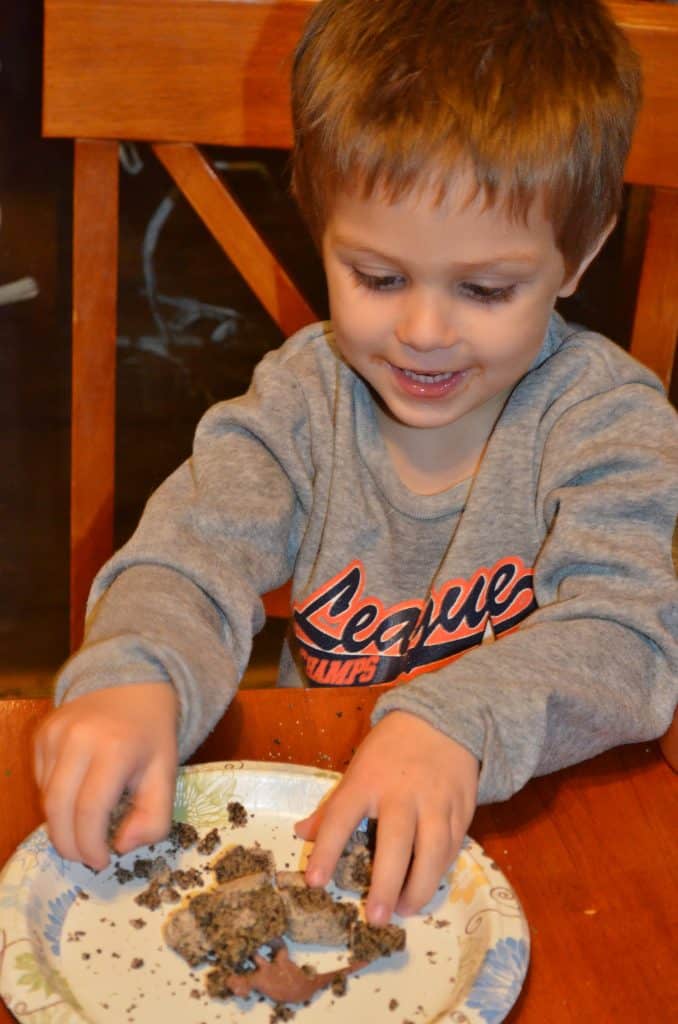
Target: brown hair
[536,96]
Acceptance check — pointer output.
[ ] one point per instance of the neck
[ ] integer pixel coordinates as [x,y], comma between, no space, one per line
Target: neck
[434,459]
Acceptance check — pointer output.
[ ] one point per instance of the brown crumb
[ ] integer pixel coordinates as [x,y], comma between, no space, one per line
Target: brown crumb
[393,1004]
[209,842]
[147,867]
[136,963]
[182,835]
[368,942]
[237,815]
[157,893]
[120,811]
[137,922]
[188,879]
[217,985]
[122,875]
[281,1012]
[338,985]
[240,861]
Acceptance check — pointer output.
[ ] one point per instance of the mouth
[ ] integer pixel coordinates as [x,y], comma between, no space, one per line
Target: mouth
[428,384]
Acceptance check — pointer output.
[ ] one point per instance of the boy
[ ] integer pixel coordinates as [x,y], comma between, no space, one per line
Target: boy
[474,500]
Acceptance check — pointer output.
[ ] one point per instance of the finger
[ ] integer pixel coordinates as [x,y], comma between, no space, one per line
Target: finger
[395,836]
[339,817]
[58,799]
[153,800]
[307,827]
[434,851]
[45,750]
[100,791]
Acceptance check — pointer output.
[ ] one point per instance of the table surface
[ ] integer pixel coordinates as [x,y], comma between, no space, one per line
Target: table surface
[591,852]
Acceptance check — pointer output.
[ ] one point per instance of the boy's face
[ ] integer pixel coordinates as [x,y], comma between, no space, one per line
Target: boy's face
[441,309]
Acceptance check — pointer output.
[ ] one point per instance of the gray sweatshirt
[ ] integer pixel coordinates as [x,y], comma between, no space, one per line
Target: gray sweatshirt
[530,613]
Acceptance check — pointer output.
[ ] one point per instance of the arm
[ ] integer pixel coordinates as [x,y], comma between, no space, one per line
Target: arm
[597,664]
[180,601]
[171,618]
[594,666]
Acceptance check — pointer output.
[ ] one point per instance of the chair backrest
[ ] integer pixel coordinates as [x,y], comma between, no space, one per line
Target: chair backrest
[177,74]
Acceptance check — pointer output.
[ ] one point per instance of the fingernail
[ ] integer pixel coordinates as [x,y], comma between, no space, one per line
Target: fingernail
[314,876]
[378,915]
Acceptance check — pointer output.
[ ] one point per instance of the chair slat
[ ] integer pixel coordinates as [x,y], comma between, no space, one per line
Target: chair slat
[217,71]
[205,71]
[95,276]
[244,246]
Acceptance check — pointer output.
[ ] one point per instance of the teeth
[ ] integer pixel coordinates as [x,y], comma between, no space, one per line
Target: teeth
[427,378]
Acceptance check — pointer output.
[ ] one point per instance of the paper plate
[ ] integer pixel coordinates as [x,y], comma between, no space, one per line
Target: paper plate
[69,954]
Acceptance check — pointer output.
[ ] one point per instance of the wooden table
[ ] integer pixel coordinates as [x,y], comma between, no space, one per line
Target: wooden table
[591,852]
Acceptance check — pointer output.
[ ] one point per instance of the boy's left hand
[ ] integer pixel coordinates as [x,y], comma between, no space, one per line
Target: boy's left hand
[421,786]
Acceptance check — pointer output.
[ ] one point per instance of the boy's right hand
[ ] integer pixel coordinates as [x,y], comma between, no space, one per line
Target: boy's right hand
[89,750]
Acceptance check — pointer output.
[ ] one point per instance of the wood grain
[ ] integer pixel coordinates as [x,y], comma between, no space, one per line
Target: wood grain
[217,71]
[210,71]
[95,277]
[590,851]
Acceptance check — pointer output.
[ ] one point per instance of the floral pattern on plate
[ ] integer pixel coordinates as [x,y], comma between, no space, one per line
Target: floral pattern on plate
[66,946]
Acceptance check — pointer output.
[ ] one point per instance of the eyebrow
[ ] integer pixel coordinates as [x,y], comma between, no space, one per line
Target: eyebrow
[509,258]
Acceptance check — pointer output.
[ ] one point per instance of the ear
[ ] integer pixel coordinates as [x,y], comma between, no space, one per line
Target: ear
[571,283]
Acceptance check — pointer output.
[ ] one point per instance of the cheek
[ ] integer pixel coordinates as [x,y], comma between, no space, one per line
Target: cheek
[357,322]
[510,349]
[350,334]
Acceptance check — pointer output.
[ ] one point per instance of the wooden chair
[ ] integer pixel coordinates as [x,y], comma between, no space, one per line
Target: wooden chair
[216,71]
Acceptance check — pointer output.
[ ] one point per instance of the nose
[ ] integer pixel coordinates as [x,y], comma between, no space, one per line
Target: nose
[425,322]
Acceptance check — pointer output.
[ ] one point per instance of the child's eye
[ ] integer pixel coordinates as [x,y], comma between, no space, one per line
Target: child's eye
[378,282]
[482,293]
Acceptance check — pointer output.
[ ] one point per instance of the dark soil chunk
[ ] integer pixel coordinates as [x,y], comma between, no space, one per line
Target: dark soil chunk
[237,815]
[236,925]
[240,861]
[182,835]
[368,942]
[188,879]
[209,842]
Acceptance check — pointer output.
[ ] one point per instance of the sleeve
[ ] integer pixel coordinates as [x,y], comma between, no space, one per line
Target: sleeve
[180,601]
[596,665]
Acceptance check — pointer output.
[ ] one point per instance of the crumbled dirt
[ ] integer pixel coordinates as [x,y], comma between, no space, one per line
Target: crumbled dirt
[369,942]
[240,861]
[182,836]
[237,815]
[209,842]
